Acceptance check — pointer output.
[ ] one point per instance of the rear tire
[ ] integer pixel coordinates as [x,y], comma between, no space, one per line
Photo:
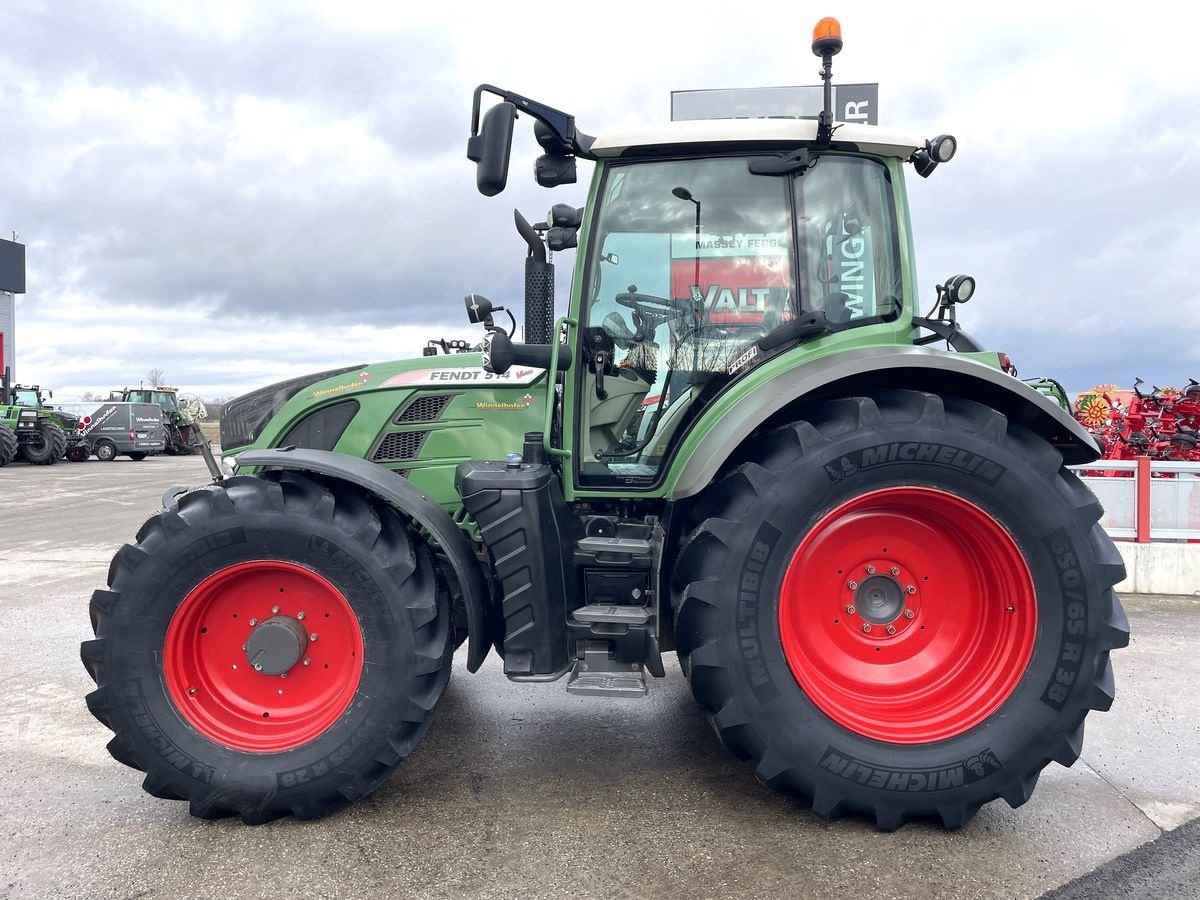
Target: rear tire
[8,445]
[137,457]
[106,451]
[963,702]
[182,696]
[47,447]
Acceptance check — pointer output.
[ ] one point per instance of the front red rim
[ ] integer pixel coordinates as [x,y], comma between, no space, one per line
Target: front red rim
[908,615]
[214,684]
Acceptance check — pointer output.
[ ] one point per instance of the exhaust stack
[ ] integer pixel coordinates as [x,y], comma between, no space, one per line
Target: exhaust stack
[539,286]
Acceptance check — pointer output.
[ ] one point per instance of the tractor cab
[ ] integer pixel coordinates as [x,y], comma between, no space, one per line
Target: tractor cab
[701,268]
[710,251]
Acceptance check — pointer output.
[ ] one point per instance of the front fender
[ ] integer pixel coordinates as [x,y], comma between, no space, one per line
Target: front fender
[400,494]
[734,416]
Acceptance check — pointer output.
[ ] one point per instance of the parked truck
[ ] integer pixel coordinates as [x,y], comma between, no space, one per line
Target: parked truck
[116,428]
[853,523]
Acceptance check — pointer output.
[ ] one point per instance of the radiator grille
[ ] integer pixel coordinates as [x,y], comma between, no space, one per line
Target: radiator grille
[400,445]
[424,408]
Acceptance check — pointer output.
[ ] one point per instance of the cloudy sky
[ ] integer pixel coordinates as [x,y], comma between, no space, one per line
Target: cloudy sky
[237,192]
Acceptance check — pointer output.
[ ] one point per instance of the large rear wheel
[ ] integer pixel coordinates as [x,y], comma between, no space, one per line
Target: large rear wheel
[900,605]
[271,645]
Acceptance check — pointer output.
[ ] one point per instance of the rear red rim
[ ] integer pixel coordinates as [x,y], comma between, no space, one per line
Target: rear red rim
[213,680]
[908,615]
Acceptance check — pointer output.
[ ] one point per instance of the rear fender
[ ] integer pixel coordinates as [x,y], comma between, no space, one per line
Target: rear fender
[717,434]
[406,499]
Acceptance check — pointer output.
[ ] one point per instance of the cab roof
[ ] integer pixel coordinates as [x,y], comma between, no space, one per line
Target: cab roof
[749,132]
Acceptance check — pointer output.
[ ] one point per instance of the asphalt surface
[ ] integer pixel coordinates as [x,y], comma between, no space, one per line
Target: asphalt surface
[523,790]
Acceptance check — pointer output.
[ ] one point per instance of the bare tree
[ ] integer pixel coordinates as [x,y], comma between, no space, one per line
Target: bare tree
[155,378]
[89,396]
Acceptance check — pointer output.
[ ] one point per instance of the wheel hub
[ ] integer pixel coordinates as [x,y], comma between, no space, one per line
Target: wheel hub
[276,645]
[881,599]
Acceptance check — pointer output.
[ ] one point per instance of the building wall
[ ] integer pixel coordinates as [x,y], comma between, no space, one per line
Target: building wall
[8,332]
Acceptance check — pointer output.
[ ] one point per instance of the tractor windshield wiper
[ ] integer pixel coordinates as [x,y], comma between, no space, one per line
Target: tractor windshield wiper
[797,161]
[807,325]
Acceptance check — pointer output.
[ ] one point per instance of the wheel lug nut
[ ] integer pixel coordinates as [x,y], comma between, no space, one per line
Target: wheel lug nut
[912,589]
[275,610]
[908,614]
[853,585]
[307,661]
[849,610]
[1010,609]
[895,570]
[870,570]
[300,615]
[866,627]
[258,667]
[192,691]
[253,622]
[891,629]
[313,636]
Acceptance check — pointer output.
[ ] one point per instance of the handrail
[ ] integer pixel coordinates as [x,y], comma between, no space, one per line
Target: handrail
[551,384]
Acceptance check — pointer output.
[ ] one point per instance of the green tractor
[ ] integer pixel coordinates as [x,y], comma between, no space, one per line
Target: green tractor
[31,430]
[741,443]
[181,418]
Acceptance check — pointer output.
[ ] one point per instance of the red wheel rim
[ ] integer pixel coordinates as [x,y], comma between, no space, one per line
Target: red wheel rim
[908,615]
[213,681]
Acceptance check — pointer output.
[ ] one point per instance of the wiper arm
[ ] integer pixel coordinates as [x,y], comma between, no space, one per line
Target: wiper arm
[796,161]
[809,325]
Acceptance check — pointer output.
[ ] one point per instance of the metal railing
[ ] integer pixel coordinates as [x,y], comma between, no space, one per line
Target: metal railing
[1146,500]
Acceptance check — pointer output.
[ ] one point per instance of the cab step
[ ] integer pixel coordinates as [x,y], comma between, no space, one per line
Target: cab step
[598,675]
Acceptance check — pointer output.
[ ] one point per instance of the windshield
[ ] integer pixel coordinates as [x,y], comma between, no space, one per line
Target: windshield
[27,398]
[692,261]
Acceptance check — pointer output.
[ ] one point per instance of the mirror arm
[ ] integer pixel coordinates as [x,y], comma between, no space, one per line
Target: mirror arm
[561,123]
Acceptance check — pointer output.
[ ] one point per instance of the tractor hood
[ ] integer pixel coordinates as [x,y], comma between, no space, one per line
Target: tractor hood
[419,417]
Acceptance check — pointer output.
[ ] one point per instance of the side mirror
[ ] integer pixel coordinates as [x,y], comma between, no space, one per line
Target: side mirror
[491,148]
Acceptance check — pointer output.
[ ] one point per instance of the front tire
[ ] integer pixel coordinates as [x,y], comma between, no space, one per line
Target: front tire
[106,451]
[8,445]
[47,446]
[316,583]
[900,606]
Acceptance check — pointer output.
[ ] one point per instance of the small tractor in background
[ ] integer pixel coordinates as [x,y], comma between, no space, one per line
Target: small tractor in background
[30,429]
[742,442]
[182,414]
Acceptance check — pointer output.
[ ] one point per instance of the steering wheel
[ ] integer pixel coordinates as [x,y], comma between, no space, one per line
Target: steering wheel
[649,311]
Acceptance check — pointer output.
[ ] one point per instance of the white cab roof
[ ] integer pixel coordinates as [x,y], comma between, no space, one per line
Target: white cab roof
[869,138]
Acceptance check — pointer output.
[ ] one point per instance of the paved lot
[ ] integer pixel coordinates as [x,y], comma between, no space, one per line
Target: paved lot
[522,790]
